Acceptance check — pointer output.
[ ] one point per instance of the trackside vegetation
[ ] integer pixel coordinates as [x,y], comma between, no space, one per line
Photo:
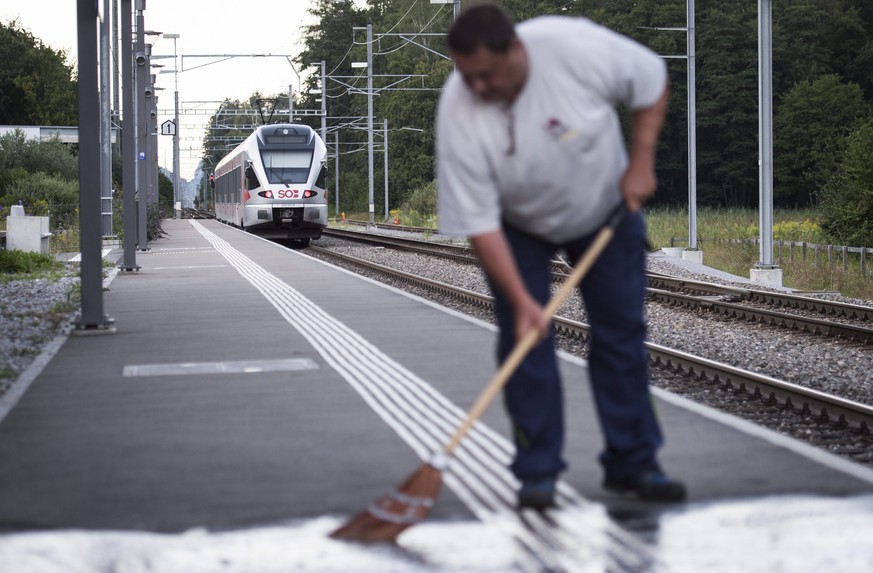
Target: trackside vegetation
[823,100]
[19,264]
[822,114]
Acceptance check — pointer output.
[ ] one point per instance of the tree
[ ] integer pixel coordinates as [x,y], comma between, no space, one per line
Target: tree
[36,85]
[810,132]
[46,195]
[813,39]
[40,175]
[846,201]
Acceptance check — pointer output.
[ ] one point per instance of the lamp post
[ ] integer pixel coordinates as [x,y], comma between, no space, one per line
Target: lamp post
[176,180]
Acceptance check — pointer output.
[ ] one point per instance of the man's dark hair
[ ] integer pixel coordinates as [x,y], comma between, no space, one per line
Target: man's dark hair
[482,25]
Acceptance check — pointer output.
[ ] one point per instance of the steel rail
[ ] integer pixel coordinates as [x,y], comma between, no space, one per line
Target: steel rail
[829,407]
[779,319]
[718,298]
[453,252]
[800,302]
[777,299]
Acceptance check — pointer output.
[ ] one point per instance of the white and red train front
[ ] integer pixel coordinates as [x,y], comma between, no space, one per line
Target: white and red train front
[274,183]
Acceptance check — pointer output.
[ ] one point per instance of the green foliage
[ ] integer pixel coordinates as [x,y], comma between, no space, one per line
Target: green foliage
[847,199]
[727,105]
[420,208]
[424,198]
[21,262]
[812,39]
[730,224]
[40,175]
[719,229]
[815,43]
[815,38]
[810,132]
[50,156]
[799,231]
[36,84]
[46,195]
[9,176]
[222,135]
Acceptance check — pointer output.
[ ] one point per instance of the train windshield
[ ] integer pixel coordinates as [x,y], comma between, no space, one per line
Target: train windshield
[287,165]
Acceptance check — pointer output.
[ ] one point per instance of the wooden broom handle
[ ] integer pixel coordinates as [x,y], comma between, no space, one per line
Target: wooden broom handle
[532,337]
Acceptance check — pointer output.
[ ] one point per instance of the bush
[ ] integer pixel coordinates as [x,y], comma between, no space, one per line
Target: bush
[798,231]
[847,199]
[51,156]
[421,207]
[21,262]
[45,195]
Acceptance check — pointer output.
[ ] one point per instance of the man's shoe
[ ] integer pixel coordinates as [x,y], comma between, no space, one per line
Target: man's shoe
[538,493]
[650,485]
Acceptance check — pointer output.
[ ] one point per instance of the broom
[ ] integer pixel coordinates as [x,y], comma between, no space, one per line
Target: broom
[411,502]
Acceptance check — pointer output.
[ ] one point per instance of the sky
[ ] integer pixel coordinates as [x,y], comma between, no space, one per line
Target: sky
[204,27]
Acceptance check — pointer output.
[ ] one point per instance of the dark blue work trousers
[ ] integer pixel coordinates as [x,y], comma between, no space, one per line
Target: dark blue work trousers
[614,295]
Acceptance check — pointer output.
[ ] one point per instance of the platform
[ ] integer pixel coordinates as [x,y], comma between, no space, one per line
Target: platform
[251,391]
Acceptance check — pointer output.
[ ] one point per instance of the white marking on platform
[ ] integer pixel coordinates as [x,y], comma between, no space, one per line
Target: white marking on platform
[78,256]
[238,367]
[189,267]
[479,474]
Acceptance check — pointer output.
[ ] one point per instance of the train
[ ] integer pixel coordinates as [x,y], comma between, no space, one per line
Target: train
[273,184]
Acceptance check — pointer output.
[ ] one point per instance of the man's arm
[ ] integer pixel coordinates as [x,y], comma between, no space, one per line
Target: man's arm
[499,264]
[639,182]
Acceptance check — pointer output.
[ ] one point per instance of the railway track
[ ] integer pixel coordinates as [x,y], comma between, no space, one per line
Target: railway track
[827,407]
[191,213]
[733,302]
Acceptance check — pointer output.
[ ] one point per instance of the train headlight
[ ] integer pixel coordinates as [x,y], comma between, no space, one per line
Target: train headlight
[265,194]
[309,193]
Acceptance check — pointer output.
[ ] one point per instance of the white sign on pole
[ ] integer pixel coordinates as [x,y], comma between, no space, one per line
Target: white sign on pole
[168,127]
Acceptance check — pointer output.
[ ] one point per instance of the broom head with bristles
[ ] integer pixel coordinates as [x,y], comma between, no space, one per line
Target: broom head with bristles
[392,514]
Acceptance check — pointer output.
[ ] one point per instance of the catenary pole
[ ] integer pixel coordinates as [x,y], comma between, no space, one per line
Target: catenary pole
[142,84]
[765,271]
[385,168]
[692,128]
[91,318]
[336,173]
[371,205]
[177,181]
[105,127]
[765,129]
[128,139]
[323,103]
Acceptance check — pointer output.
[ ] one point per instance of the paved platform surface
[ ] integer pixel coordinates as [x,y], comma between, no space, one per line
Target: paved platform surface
[250,387]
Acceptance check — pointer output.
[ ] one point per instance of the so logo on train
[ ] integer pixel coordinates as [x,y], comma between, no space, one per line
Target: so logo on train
[274,183]
[291,194]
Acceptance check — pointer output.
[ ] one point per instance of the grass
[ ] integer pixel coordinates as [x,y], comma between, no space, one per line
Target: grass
[719,232]
[65,241]
[23,265]
[719,229]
